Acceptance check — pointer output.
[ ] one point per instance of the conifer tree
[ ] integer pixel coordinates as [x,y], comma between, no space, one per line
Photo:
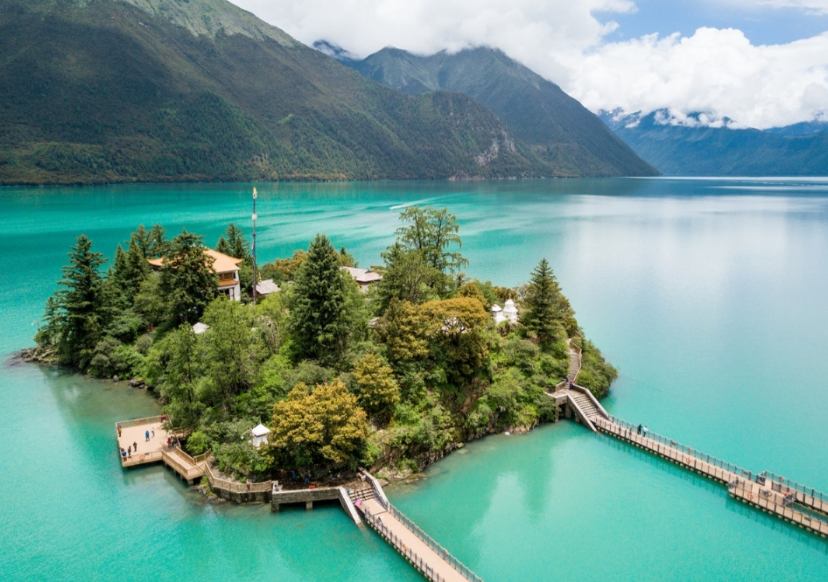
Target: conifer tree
[156,243]
[135,270]
[318,319]
[546,310]
[223,246]
[85,310]
[188,282]
[239,248]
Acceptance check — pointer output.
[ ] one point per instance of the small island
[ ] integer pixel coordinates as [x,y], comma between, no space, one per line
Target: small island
[335,367]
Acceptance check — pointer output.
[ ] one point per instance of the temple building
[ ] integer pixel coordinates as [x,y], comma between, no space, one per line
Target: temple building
[509,312]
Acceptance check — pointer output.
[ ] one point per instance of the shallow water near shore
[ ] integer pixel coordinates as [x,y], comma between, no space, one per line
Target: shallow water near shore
[708,295]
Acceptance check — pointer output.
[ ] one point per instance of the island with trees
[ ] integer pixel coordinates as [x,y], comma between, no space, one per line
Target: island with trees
[392,377]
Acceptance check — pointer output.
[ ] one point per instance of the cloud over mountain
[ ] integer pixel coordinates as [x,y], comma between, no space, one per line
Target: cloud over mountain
[716,71]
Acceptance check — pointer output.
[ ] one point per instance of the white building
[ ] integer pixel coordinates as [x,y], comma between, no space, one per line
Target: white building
[259,433]
[227,269]
[509,312]
[364,277]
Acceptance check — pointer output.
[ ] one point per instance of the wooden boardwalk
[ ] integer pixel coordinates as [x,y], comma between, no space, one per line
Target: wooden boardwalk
[797,504]
[418,548]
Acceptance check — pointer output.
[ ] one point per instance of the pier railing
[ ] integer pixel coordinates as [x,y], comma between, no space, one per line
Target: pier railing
[685,450]
[438,549]
[770,502]
[140,421]
[234,486]
[779,482]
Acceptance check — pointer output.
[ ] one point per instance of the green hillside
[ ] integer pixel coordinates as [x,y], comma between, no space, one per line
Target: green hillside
[557,127]
[95,91]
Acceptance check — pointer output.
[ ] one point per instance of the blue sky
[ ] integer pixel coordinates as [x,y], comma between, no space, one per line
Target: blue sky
[761,24]
[761,63]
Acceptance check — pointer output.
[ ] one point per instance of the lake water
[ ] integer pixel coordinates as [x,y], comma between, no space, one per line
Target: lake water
[708,295]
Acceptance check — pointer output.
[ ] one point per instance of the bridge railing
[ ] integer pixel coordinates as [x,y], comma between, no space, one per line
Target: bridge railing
[780,482]
[438,549]
[685,450]
[766,500]
[419,562]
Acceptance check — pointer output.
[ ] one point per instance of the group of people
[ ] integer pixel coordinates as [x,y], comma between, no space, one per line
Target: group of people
[642,430]
[133,448]
[128,452]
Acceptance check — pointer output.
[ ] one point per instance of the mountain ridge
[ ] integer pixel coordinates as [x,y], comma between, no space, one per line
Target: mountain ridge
[557,127]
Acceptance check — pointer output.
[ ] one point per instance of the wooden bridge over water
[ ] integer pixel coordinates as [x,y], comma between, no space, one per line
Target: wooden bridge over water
[795,503]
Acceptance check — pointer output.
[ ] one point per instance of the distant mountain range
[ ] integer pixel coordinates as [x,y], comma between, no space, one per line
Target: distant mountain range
[556,127]
[676,150]
[95,91]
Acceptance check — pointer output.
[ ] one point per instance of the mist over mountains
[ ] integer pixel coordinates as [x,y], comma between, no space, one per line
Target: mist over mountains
[698,150]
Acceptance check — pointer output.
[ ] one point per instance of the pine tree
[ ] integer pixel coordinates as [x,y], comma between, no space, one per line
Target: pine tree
[83,303]
[188,282]
[156,243]
[223,246]
[546,310]
[239,248]
[135,270]
[318,319]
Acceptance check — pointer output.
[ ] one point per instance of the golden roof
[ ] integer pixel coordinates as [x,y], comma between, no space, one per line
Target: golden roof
[221,263]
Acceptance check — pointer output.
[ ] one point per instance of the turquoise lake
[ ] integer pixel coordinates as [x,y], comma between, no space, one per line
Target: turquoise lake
[710,296]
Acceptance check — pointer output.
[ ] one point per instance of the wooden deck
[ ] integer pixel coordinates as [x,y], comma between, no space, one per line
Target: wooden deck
[154,449]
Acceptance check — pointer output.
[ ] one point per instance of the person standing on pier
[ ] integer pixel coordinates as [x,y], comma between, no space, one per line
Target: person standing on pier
[153,433]
[639,429]
[135,447]
[146,435]
[119,430]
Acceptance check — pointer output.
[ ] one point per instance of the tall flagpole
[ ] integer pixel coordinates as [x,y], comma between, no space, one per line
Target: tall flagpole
[255,278]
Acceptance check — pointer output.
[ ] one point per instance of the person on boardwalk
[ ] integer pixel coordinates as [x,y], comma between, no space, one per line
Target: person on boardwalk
[639,429]
[146,435]
[135,447]
[645,429]
[119,430]
[129,452]
[153,433]
[123,454]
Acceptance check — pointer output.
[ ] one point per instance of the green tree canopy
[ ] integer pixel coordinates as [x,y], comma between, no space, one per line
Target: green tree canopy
[407,277]
[319,323]
[432,232]
[323,426]
[188,282]
[376,389]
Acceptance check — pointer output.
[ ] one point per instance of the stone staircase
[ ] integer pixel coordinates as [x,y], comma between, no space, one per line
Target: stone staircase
[574,362]
[586,405]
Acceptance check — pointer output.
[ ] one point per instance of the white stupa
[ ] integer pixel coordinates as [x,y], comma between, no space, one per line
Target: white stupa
[497,313]
[259,433]
[510,312]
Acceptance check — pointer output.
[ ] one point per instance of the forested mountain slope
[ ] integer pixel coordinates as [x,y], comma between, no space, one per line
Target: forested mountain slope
[557,127]
[159,90]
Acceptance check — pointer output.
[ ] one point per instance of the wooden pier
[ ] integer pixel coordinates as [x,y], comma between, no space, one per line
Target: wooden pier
[429,558]
[797,504]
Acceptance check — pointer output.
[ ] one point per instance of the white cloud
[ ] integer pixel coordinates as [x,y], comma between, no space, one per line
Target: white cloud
[714,71]
[718,72]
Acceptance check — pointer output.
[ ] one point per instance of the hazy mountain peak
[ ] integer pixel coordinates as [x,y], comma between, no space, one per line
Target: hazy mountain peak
[209,17]
[334,51]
